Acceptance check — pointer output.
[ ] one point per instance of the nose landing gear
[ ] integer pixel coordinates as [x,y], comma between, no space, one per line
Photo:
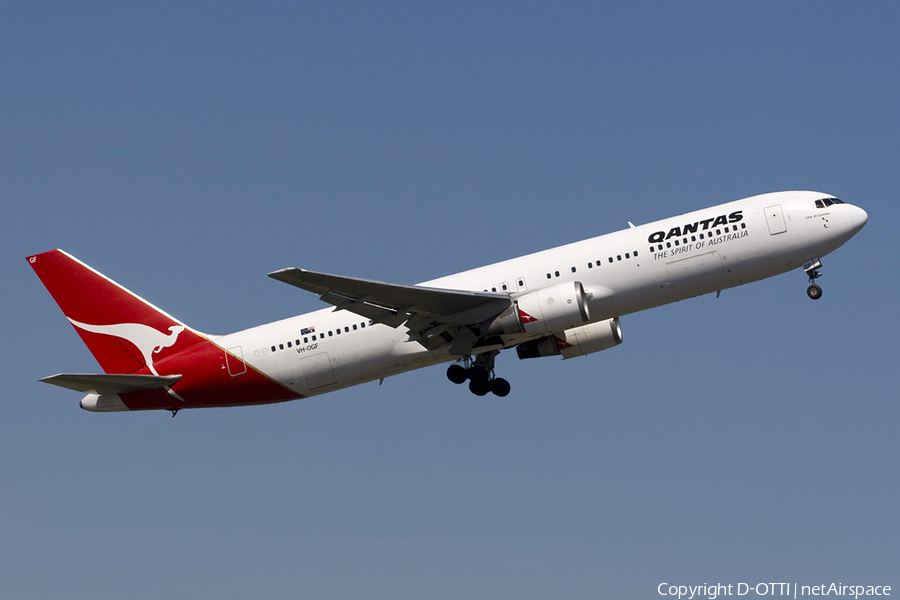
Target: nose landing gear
[480,374]
[811,267]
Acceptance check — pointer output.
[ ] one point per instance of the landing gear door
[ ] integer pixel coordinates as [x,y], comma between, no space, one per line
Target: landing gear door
[812,264]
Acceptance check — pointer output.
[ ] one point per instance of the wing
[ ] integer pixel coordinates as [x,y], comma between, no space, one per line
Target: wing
[432,314]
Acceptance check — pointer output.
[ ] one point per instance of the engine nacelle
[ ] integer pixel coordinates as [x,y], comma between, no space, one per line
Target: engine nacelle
[550,309]
[578,341]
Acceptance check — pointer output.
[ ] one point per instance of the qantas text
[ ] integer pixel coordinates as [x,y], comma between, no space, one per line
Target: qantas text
[689,228]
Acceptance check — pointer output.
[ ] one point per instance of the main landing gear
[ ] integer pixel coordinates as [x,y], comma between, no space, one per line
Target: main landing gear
[812,270]
[480,374]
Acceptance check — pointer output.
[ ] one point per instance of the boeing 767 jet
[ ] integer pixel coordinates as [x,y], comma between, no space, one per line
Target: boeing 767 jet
[565,301]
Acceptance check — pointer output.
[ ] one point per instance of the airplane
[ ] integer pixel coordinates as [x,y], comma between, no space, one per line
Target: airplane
[565,301]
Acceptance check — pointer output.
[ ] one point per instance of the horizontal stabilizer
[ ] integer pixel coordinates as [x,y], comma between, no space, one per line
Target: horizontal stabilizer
[110,383]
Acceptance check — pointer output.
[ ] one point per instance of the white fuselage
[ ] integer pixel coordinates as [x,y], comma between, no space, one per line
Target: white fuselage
[624,272]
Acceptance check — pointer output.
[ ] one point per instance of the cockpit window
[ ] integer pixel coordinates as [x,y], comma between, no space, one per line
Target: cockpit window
[827,202]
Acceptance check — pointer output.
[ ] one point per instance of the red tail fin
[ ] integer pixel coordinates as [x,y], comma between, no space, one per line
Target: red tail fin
[123,331]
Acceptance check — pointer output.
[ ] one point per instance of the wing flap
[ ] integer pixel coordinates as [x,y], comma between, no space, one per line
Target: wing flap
[90,383]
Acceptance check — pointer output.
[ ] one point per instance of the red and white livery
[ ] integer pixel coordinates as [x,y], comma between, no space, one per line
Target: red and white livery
[565,301]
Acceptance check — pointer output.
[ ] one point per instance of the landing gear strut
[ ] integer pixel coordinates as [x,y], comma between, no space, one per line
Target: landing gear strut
[812,270]
[480,374]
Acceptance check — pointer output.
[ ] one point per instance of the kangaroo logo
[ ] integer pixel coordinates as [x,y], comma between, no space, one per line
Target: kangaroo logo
[146,339]
[526,318]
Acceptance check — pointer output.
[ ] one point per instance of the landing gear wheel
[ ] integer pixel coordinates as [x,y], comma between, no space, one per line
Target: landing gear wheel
[811,268]
[478,375]
[457,374]
[479,389]
[500,387]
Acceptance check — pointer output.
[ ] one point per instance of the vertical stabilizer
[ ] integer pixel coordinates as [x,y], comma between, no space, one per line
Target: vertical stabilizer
[123,331]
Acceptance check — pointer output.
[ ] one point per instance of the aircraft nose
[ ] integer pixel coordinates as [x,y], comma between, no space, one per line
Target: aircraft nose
[858,217]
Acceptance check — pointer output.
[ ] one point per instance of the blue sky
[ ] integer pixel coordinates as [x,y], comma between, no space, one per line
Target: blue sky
[187,149]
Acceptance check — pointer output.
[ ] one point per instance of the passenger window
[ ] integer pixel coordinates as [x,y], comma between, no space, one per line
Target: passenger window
[610,259]
[635,252]
[548,275]
[305,340]
[273,348]
[281,346]
[289,344]
[556,273]
[618,257]
[573,269]
[590,265]
[627,255]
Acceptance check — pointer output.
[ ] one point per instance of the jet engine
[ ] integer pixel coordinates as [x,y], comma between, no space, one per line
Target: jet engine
[577,341]
[547,310]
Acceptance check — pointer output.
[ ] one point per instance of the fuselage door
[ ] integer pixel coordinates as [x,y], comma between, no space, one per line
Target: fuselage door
[702,272]
[775,219]
[234,358]
[317,370]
